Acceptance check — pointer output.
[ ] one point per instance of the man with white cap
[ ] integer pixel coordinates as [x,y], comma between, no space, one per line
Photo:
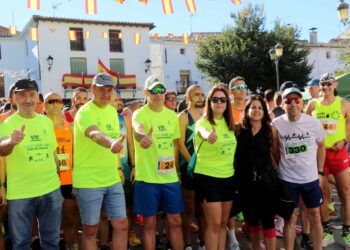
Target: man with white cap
[301,154]
[156,130]
[96,182]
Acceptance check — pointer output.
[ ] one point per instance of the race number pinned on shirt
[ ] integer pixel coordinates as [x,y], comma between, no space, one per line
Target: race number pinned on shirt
[293,149]
[330,126]
[63,160]
[166,164]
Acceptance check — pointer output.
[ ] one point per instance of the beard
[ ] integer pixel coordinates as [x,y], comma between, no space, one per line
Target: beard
[78,106]
[199,105]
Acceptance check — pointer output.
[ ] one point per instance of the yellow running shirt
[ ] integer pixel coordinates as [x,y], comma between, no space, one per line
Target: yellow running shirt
[31,167]
[95,166]
[216,160]
[156,164]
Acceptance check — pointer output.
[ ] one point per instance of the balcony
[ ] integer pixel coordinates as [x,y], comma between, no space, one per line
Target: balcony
[181,86]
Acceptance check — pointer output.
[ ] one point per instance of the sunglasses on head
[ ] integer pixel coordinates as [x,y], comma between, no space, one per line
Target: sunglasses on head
[218,99]
[239,87]
[53,101]
[296,100]
[328,84]
[157,90]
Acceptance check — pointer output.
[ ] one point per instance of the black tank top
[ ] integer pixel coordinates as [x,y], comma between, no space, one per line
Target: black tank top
[189,135]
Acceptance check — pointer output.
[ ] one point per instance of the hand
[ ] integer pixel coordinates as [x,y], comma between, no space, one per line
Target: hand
[212,137]
[146,141]
[17,135]
[132,175]
[338,145]
[2,196]
[117,146]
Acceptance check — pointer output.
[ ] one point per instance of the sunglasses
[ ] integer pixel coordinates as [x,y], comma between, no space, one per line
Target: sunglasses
[170,99]
[296,100]
[328,84]
[217,99]
[158,90]
[53,101]
[239,87]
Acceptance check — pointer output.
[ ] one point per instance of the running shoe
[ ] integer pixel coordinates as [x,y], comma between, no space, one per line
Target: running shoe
[336,224]
[306,244]
[240,217]
[139,220]
[194,228]
[134,241]
[328,239]
[234,245]
[346,239]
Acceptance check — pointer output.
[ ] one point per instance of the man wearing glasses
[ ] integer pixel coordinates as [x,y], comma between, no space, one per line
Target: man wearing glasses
[334,114]
[301,153]
[156,130]
[238,89]
[170,100]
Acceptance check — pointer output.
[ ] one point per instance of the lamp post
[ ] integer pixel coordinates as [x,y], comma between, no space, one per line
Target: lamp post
[343,11]
[275,54]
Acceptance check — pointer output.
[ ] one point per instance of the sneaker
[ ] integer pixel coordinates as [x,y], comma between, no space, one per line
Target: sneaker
[134,241]
[240,217]
[194,228]
[233,245]
[139,220]
[336,224]
[306,244]
[346,240]
[328,239]
[298,231]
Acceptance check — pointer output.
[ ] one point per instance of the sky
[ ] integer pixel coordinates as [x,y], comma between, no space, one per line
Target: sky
[211,15]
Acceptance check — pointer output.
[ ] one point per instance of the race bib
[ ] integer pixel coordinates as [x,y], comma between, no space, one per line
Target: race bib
[293,149]
[166,164]
[330,126]
[63,162]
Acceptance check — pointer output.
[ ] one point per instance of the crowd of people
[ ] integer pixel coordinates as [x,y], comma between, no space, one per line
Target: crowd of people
[98,166]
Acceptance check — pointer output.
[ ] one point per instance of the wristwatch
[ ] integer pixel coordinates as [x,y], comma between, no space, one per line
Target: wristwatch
[321,173]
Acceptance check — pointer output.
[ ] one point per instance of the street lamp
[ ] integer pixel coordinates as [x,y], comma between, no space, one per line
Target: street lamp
[343,9]
[275,54]
[49,60]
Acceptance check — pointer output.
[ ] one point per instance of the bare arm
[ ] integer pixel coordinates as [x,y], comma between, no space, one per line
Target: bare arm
[346,109]
[321,155]
[182,144]
[176,154]
[130,140]
[5,146]
[310,108]
[141,136]
[275,151]
[2,181]
[57,162]
[97,136]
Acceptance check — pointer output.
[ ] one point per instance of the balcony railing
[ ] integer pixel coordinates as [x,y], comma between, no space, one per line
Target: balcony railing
[181,86]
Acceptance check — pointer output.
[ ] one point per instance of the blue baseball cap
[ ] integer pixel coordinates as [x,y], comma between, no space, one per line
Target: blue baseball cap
[313,82]
[290,87]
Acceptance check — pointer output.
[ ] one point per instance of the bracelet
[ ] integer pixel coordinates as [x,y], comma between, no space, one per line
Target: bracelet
[321,173]
[120,168]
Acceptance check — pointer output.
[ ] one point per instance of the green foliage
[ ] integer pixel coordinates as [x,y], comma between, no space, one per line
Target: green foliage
[243,49]
[345,57]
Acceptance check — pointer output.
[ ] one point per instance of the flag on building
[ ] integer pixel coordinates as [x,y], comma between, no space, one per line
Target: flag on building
[102,68]
[72,35]
[120,1]
[137,38]
[91,7]
[185,38]
[33,4]
[33,33]
[167,7]
[191,6]
[143,1]
[236,1]
[171,35]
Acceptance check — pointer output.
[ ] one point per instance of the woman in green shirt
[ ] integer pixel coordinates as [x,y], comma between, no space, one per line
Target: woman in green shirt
[215,145]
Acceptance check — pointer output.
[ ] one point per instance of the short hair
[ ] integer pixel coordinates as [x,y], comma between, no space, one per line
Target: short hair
[278,98]
[79,89]
[235,79]
[189,90]
[11,90]
[269,95]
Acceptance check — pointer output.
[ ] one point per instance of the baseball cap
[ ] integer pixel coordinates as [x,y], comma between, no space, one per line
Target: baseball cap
[103,79]
[26,84]
[313,82]
[327,77]
[290,87]
[152,81]
[168,92]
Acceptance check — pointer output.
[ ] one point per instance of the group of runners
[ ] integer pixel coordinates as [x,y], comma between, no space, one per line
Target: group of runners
[99,162]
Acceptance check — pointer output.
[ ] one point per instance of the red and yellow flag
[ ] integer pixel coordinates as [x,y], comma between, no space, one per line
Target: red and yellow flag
[185,38]
[120,1]
[33,33]
[72,35]
[236,1]
[191,6]
[33,4]
[143,1]
[91,7]
[167,7]
[171,35]
[137,38]
[12,30]
[87,34]
[154,35]
[104,34]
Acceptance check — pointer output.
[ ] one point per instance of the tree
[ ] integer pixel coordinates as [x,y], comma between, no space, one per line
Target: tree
[242,50]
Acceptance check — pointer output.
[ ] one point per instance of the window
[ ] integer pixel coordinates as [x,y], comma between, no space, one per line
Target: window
[115,43]
[78,44]
[182,51]
[78,66]
[328,54]
[117,65]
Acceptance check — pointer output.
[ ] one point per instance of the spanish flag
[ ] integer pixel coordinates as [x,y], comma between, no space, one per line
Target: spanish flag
[137,38]
[167,7]
[72,35]
[33,4]
[120,1]
[143,1]
[154,35]
[33,32]
[191,6]
[91,7]
[12,30]
[171,35]
[104,34]
[185,38]
[236,1]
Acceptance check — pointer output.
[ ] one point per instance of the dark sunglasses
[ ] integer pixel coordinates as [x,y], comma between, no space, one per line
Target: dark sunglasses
[217,99]
[53,101]
[239,87]
[170,99]
[296,100]
[157,90]
[328,84]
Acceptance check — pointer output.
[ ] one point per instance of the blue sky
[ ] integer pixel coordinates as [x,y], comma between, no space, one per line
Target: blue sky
[211,15]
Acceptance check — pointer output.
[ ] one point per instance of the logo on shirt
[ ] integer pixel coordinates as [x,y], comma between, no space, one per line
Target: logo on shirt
[161,128]
[34,138]
[295,136]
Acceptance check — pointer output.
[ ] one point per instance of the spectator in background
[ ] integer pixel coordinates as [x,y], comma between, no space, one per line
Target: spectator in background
[314,88]
[278,110]
[40,105]
[170,100]
[80,97]
[268,98]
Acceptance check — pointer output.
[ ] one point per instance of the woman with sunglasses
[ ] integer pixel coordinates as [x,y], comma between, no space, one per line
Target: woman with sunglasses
[215,143]
[256,141]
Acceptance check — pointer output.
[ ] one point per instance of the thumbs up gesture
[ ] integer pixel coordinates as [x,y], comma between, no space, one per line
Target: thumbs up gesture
[17,135]
[212,137]
[146,141]
[117,145]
